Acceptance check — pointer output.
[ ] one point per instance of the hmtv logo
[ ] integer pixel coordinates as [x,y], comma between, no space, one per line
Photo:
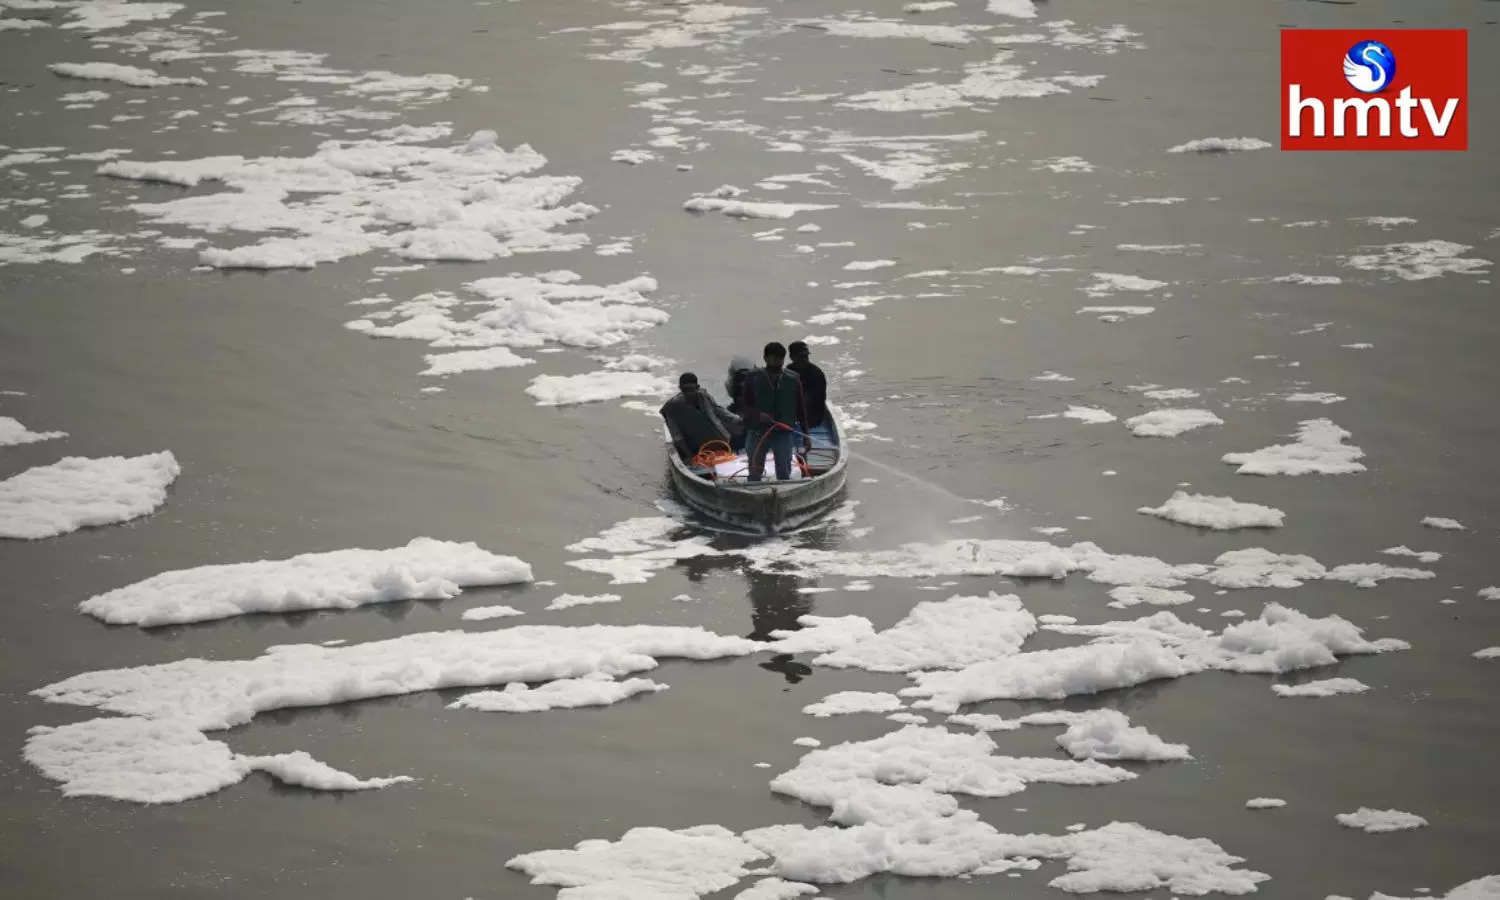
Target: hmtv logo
[1381,89]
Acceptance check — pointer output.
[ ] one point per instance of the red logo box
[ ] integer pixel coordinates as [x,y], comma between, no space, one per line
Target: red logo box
[1423,104]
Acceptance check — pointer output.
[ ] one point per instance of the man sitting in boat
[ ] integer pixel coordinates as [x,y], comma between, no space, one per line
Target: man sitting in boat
[694,418]
[814,384]
[774,412]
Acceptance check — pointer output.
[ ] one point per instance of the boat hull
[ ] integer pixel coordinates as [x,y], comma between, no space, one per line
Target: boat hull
[766,507]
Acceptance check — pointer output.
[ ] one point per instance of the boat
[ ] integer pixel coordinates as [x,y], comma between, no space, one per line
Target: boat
[722,492]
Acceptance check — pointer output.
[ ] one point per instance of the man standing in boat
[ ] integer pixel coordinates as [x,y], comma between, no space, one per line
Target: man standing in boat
[814,384]
[771,406]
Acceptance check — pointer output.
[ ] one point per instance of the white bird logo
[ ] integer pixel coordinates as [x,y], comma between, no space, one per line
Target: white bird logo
[1370,72]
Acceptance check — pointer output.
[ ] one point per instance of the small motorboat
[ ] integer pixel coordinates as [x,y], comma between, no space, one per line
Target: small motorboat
[716,482]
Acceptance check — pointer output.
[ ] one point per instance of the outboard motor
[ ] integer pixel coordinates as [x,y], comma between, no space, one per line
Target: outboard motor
[738,368]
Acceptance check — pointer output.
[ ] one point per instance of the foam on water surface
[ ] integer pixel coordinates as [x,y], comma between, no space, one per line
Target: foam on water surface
[13,432]
[1220,145]
[1218,513]
[424,569]
[1320,449]
[595,689]
[1327,687]
[472,201]
[1107,734]
[165,761]
[77,492]
[845,703]
[1158,647]
[1380,820]
[1170,422]
[941,634]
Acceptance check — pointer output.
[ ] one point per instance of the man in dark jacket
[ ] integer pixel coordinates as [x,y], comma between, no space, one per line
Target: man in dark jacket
[814,384]
[694,418]
[773,395]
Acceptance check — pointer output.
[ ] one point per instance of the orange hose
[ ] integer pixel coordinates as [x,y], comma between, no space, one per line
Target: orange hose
[707,457]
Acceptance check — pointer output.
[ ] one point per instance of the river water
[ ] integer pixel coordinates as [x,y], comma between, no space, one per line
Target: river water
[297,434]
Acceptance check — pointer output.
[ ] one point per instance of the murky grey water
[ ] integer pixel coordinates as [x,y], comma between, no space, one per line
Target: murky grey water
[298,435]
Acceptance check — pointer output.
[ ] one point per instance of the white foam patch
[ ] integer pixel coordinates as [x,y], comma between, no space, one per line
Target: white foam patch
[945,634]
[1106,283]
[845,703]
[983,82]
[928,6]
[1296,278]
[849,778]
[485,360]
[216,694]
[889,28]
[1327,687]
[1089,415]
[1487,888]
[595,387]
[134,76]
[632,157]
[1487,653]
[1017,9]
[1127,857]
[1220,145]
[906,169]
[1107,734]
[165,761]
[1217,513]
[1319,450]
[1443,523]
[916,560]
[984,722]
[1367,575]
[8,24]
[639,548]
[822,634]
[644,863]
[1313,397]
[13,432]
[595,689]
[564,601]
[776,888]
[481,613]
[1157,647]
[1156,248]
[521,311]
[1172,394]
[721,200]
[1170,422]
[1063,164]
[1420,260]
[1117,313]
[424,569]
[1423,556]
[77,492]
[102,15]
[1256,568]
[466,202]
[1380,820]
[69,249]
[1264,803]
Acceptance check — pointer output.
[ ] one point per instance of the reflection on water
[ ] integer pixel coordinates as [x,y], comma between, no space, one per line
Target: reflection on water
[776,606]
[776,602]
